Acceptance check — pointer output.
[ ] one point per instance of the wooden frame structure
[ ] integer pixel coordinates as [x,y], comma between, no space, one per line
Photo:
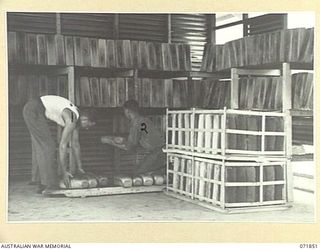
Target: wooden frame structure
[225,155]
[211,130]
[207,182]
[187,159]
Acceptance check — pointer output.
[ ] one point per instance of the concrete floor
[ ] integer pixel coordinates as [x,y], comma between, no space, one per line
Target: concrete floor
[24,205]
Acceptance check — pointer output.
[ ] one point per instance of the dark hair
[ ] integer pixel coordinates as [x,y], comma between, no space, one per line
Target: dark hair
[131,105]
[85,112]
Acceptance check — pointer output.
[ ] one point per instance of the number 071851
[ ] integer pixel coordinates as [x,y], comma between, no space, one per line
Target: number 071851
[308,246]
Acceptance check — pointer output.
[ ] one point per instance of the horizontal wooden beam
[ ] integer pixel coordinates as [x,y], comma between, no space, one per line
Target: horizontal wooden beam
[259,72]
[104,72]
[295,112]
[73,193]
[38,69]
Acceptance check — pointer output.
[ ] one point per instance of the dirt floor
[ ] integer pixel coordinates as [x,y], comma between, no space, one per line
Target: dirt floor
[26,206]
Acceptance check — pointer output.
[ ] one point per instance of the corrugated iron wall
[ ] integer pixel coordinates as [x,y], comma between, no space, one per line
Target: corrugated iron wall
[32,22]
[191,29]
[20,143]
[148,27]
[97,157]
[266,23]
[91,24]
[185,28]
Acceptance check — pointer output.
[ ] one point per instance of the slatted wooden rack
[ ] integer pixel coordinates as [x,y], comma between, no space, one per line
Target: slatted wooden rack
[89,192]
[228,168]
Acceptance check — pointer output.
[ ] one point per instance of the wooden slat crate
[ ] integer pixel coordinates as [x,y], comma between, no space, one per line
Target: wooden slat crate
[230,186]
[225,132]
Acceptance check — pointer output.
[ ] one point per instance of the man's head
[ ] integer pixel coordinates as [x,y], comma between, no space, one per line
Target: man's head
[131,108]
[86,119]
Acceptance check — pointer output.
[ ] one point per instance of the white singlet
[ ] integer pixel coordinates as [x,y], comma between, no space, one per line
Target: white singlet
[54,107]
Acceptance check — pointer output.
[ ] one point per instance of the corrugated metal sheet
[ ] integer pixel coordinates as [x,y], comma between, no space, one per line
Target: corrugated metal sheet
[20,155]
[266,23]
[97,157]
[32,22]
[88,24]
[148,27]
[185,28]
[191,29]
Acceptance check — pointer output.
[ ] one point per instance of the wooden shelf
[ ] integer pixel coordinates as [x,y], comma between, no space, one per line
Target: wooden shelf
[36,69]
[103,72]
[115,72]
[266,68]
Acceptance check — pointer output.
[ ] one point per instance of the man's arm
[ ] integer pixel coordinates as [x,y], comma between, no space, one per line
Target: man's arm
[119,142]
[77,150]
[114,141]
[70,125]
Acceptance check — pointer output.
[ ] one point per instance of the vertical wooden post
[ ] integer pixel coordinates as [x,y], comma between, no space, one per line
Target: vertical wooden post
[245,25]
[285,169]
[71,97]
[58,23]
[59,129]
[261,184]
[223,132]
[180,128]
[234,101]
[286,87]
[173,136]
[71,85]
[169,27]
[223,187]
[193,102]
[167,141]
[116,26]
[192,143]
[263,130]
[211,35]
[285,21]
[286,107]
[167,131]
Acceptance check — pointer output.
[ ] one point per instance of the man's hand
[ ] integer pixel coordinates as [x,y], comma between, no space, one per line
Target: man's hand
[66,179]
[118,140]
[106,139]
[113,140]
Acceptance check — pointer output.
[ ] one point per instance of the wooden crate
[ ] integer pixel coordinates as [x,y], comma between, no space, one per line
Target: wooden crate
[230,185]
[226,131]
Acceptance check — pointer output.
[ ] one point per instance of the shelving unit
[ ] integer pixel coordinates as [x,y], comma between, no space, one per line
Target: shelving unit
[180,133]
[63,58]
[71,52]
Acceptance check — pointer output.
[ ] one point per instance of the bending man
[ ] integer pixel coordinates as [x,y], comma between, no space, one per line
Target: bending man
[36,114]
